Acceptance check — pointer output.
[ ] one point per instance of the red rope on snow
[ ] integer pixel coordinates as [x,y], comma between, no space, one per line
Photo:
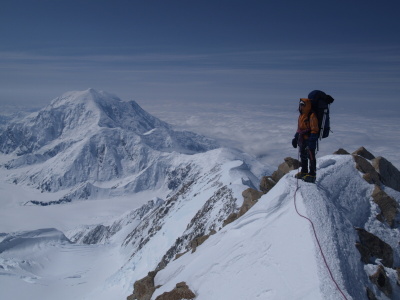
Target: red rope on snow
[316,237]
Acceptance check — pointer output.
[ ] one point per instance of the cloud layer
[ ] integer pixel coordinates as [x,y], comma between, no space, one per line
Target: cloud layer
[266,131]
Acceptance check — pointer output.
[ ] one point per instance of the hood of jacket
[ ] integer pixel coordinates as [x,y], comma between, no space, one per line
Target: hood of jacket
[307,106]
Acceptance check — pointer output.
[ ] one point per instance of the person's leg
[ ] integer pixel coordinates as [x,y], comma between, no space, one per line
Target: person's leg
[313,162]
[312,176]
[304,159]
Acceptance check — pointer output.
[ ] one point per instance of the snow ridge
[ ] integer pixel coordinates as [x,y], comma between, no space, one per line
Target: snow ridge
[271,252]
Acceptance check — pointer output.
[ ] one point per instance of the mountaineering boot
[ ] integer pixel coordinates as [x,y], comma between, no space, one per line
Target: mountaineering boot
[309,178]
[300,175]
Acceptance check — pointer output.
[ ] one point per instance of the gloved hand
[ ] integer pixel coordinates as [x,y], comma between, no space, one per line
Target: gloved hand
[312,141]
[294,141]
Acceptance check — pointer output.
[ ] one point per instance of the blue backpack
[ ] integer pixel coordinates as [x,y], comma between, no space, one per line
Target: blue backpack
[320,103]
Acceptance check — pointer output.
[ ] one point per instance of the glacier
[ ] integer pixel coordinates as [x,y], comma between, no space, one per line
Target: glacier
[96,193]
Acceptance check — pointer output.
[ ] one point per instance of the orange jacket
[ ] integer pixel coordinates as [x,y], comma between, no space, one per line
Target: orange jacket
[308,122]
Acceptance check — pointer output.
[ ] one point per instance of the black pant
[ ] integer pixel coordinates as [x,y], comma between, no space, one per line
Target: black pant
[306,155]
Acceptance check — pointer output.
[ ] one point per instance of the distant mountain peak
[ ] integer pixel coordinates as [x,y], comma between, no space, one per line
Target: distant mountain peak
[89,95]
[105,109]
[114,138]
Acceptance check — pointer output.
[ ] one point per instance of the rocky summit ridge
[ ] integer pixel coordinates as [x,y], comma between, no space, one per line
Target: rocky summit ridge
[356,219]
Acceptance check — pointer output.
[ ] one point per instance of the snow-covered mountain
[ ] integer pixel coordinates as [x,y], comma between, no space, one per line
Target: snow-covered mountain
[89,143]
[166,209]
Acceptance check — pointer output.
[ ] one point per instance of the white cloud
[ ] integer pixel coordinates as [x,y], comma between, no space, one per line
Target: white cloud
[266,131]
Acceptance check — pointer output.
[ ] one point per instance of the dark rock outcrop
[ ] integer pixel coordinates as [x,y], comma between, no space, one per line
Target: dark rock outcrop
[390,175]
[378,171]
[144,288]
[371,246]
[387,205]
[250,197]
[364,166]
[180,254]
[288,165]
[180,292]
[266,184]
[380,279]
[200,240]
[364,153]
[232,217]
[341,151]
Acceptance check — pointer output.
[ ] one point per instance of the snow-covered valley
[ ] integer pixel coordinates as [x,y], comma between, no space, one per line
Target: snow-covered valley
[96,193]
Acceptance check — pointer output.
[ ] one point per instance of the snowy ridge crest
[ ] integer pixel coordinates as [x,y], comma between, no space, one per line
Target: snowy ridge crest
[271,252]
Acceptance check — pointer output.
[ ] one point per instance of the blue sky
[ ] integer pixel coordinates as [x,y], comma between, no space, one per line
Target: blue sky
[200,51]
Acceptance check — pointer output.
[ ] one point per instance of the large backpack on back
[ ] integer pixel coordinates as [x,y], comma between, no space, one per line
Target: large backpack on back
[320,103]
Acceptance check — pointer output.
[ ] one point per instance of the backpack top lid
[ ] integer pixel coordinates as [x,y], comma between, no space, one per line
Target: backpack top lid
[318,96]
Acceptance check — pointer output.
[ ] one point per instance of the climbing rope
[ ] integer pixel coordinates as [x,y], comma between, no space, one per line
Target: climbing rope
[316,238]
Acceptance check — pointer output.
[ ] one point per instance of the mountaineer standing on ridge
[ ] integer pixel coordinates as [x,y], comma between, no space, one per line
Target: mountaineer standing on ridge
[306,138]
[313,124]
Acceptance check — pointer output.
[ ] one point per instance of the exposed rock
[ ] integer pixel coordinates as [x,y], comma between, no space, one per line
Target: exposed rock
[285,167]
[390,175]
[266,184]
[200,224]
[387,205]
[144,288]
[381,280]
[398,276]
[200,240]
[370,246]
[371,295]
[180,292]
[370,174]
[153,223]
[251,197]
[364,153]
[232,217]
[102,234]
[180,254]
[341,151]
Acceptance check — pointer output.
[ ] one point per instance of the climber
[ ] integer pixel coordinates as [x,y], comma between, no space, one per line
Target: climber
[306,138]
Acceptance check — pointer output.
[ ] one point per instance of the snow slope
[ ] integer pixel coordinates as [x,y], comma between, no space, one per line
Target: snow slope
[102,260]
[271,252]
[44,264]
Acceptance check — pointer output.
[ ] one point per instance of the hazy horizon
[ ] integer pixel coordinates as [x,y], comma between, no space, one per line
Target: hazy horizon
[210,51]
